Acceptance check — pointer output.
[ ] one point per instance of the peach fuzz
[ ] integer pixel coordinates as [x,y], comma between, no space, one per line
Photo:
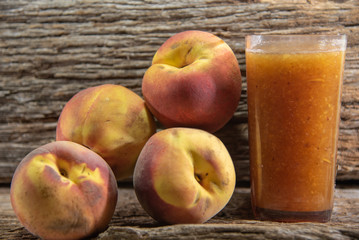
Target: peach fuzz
[112,121]
[63,190]
[194,81]
[184,175]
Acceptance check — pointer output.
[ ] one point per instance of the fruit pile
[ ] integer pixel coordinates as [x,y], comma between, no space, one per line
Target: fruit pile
[67,189]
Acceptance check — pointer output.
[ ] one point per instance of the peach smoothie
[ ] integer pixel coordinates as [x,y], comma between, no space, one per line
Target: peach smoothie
[294,100]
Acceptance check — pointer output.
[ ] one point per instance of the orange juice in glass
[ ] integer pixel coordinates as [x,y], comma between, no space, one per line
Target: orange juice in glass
[294,87]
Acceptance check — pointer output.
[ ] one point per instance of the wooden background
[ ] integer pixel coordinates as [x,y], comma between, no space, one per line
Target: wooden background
[50,50]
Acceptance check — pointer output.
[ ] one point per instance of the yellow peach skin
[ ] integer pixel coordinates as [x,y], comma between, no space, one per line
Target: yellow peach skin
[184,175]
[63,190]
[112,121]
[194,81]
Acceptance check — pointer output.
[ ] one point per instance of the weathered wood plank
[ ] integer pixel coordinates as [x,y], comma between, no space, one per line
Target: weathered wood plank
[49,50]
[235,221]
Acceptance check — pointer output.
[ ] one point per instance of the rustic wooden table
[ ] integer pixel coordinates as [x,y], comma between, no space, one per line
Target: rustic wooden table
[49,50]
[235,221]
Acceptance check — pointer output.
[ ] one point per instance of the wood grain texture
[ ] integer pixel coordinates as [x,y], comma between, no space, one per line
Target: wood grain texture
[50,50]
[235,221]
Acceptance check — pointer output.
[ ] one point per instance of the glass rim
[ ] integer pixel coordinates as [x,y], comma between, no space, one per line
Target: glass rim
[298,35]
[315,42]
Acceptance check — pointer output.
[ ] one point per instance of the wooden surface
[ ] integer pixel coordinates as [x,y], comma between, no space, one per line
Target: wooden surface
[49,50]
[235,221]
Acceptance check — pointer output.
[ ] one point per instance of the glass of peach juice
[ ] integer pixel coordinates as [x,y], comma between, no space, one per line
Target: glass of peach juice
[294,85]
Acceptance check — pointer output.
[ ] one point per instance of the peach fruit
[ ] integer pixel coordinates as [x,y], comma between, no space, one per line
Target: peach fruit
[112,121]
[194,81]
[63,190]
[184,175]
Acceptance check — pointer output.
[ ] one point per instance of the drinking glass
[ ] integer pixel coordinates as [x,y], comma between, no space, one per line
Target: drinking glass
[294,85]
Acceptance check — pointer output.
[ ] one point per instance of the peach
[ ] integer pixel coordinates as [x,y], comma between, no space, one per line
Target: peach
[184,175]
[112,121]
[194,81]
[63,190]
